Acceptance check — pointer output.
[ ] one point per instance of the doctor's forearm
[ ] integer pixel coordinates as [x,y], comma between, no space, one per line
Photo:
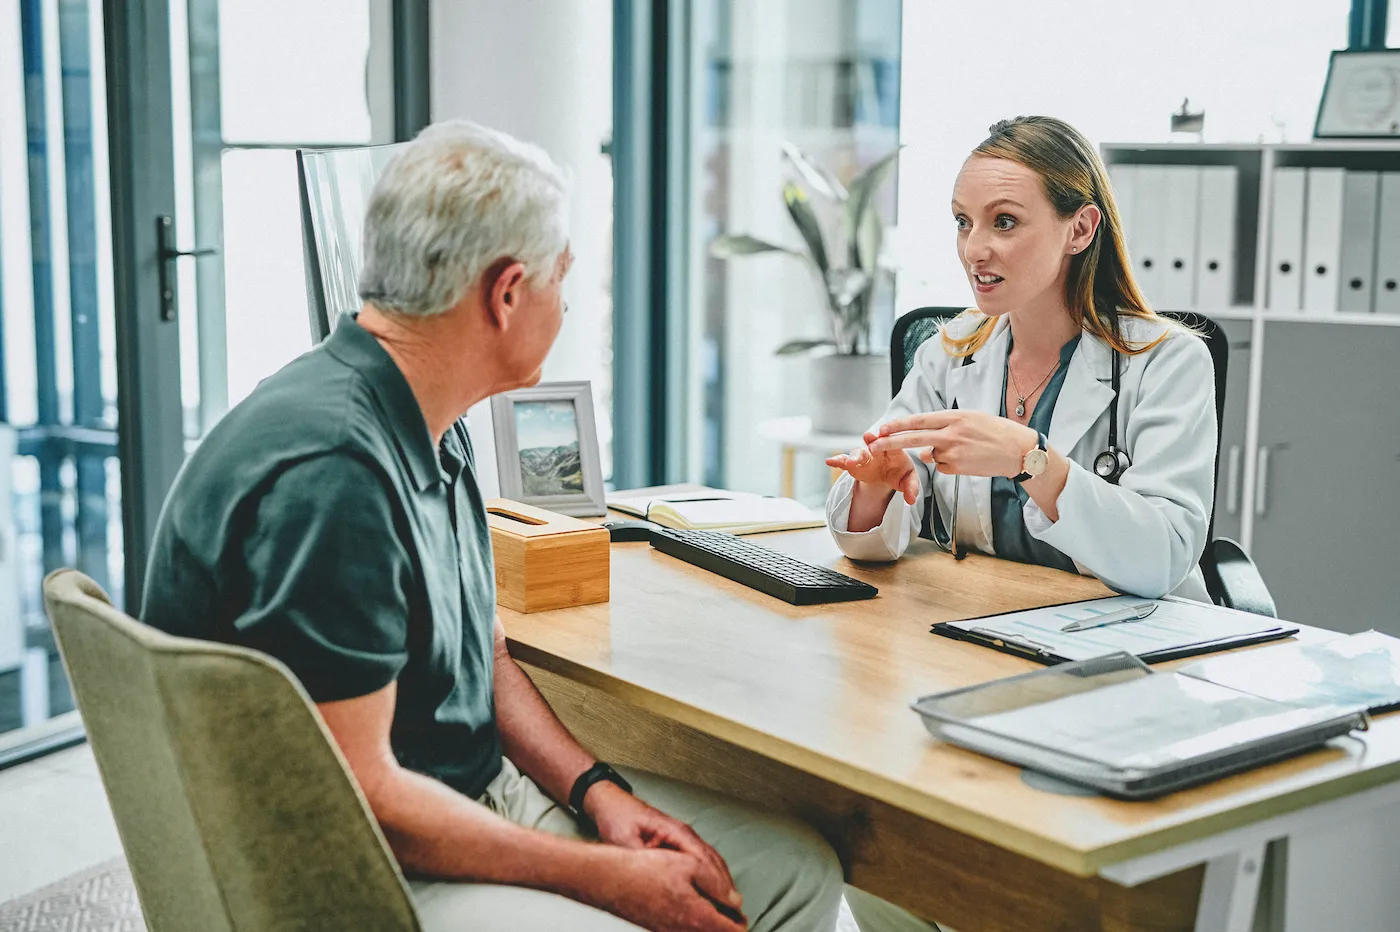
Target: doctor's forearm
[868,504]
[1045,488]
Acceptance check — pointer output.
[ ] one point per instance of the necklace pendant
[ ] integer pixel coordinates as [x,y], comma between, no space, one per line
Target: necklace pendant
[1021,409]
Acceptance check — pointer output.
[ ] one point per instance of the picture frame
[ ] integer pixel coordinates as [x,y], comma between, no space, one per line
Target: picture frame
[534,429]
[1361,98]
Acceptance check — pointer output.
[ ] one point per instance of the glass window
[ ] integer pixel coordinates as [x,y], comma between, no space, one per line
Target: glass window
[252,81]
[293,71]
[265,313]
[825,78]
[60,480]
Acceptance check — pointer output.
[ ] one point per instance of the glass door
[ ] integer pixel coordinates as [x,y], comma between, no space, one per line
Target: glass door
[150,268]
[252,81]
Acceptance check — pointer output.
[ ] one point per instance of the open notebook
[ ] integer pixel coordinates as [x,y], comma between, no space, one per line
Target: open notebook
[718,510]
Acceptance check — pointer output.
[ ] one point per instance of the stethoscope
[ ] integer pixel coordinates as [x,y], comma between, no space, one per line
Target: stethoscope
[1108,466]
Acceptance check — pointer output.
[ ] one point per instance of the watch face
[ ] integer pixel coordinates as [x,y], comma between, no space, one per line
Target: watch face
[1035,462]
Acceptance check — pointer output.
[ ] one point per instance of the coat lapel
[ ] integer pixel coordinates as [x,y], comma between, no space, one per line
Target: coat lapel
[978,386]
[1086,392]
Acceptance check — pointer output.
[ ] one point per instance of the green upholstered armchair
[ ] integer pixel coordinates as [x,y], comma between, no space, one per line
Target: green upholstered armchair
[234,806]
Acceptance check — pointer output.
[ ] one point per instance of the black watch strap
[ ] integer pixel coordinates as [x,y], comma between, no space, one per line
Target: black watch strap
[1042,442]
[598,773]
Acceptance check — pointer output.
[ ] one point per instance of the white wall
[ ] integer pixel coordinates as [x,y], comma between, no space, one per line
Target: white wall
[1115,70]
[541,70]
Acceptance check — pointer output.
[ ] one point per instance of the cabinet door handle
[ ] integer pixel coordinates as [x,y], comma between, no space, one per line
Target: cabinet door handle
[1261,483]
[1232,481]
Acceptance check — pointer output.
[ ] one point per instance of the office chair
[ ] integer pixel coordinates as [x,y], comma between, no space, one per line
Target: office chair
[1231,577]
[235,808]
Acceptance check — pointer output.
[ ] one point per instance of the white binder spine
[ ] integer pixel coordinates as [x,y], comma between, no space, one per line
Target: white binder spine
[1147,234]
[1286,240]
[1123,179]
[1215,237]
[1182,192]
[1359,202]
[1322,239]
[1388,246]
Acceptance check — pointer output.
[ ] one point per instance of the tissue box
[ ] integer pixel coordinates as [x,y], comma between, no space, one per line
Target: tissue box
[546,560]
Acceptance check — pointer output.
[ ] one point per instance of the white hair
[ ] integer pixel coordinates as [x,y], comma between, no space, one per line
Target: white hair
[459,198]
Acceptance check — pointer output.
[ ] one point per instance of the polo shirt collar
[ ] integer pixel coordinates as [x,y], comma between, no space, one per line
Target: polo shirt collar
[357,348]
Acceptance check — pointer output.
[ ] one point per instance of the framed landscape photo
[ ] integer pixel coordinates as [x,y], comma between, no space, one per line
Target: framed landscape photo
[547,448]
[1361,99]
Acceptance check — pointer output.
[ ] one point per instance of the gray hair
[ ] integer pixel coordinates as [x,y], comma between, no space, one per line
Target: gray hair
[459,198]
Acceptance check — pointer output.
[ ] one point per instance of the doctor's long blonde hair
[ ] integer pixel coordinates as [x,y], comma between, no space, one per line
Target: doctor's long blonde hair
[1100,286]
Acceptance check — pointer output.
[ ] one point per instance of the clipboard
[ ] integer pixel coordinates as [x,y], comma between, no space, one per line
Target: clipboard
[1180,628]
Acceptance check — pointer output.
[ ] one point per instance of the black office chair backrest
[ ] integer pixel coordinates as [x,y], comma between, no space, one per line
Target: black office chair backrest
[911,330]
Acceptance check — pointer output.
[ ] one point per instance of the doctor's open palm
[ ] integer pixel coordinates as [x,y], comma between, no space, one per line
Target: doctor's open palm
[891,468]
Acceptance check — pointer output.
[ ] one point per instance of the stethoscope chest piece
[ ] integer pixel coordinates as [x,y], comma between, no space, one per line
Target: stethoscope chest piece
[1111,464]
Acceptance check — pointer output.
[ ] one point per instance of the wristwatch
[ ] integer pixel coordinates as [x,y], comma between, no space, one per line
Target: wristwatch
[598,773]
[1035,460]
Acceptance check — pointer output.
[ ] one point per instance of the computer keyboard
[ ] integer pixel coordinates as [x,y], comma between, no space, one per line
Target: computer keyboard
[761,568]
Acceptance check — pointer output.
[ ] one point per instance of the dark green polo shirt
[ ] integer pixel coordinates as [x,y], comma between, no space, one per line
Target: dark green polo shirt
[319,523]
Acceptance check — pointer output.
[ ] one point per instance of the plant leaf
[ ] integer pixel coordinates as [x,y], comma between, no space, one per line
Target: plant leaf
[868,240]
[821,180]
[863,187]
[806,221]
[845,285]
[741,244]
[793,347]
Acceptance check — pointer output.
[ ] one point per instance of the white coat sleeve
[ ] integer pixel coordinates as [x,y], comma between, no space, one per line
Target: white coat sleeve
[1145,534]
[889,539]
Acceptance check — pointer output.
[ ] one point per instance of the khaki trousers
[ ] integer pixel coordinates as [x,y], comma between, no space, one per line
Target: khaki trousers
[788,875]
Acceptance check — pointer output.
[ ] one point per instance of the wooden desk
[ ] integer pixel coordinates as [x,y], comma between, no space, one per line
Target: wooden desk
[806,710]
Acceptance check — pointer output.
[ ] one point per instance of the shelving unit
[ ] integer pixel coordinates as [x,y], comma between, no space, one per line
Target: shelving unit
[1310,458]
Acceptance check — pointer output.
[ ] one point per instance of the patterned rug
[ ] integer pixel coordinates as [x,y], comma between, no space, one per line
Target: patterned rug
[103,899]
[99,899]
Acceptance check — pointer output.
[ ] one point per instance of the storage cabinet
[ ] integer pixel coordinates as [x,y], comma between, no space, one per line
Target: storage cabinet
[1327,488]
[1229,484]
[1309,476]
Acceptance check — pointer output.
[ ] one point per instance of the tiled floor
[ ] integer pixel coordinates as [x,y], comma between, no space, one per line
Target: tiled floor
[54,821]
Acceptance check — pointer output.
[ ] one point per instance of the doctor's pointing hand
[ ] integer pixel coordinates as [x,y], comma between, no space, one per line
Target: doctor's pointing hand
[956,443]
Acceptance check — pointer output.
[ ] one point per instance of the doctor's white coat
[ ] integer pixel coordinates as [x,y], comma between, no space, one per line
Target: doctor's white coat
[1143,536]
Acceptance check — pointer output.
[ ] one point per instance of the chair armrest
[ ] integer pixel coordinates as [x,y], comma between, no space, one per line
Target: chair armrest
[1233,580]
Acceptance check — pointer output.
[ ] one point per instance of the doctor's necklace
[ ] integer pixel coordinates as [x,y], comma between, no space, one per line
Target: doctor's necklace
[1020,398]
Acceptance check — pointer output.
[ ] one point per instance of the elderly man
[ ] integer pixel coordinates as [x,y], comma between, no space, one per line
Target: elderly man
[333,520]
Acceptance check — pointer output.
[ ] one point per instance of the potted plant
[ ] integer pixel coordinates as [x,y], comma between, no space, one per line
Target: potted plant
[850,382]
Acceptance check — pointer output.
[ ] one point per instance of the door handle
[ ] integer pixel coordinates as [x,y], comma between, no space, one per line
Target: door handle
[1232,481]
[1261,483]
[168,253]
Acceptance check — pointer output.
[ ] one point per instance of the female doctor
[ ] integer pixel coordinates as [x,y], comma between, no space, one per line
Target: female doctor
[1061,422]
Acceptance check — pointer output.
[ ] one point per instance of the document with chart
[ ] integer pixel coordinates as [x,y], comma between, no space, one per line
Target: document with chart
[1115,724]
[1174,628]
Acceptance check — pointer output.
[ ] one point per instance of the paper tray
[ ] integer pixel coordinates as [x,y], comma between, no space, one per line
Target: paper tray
[950,717]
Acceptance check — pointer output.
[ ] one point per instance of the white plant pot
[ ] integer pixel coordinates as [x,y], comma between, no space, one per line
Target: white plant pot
[848,392]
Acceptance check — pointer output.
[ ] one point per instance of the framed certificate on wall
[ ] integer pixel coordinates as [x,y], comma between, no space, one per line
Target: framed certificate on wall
[1361,99]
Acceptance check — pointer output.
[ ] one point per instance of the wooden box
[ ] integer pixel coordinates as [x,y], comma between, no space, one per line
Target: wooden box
[546,560]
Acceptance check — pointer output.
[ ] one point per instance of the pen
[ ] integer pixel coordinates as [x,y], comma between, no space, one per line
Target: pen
[1131,613]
